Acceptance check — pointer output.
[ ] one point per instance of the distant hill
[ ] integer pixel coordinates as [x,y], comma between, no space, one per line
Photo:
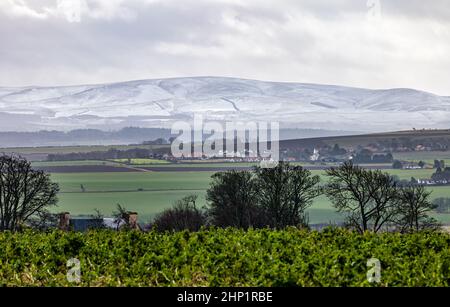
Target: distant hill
[124,136]
[160,102]
[435,139]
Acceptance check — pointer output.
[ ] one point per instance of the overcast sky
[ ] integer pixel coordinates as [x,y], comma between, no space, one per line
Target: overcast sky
[372,44]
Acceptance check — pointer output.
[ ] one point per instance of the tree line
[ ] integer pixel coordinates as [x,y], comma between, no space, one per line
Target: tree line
[369,200]
[133,153]
[278,197]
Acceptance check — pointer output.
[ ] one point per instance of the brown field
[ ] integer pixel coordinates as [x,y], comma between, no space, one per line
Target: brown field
[86,169]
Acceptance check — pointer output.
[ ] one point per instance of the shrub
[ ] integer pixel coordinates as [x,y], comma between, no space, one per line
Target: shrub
[183,216]
[224,257]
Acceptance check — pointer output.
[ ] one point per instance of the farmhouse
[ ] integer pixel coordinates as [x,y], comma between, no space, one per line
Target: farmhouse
[411,165]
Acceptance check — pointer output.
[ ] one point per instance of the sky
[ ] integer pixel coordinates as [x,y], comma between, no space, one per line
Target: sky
[361,43]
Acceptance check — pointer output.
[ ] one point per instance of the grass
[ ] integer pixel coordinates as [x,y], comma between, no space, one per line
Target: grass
[104,182]
[206,165]
[146,203]
[71,163]
[426,156]
[163,163]
[104,191]
[140,161]
[407,174]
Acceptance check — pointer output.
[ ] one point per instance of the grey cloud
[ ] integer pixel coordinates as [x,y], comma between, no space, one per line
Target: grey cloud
[286,40]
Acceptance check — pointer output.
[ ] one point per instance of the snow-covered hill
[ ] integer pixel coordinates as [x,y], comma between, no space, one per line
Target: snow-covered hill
[158,103]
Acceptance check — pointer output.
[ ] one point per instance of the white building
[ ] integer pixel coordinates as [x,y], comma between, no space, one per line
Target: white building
[315,156]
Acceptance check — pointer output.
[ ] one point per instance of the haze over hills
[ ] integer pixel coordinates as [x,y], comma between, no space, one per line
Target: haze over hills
[160,102]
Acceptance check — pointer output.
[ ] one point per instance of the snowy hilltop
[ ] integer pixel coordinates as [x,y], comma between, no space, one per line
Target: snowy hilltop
[160,102]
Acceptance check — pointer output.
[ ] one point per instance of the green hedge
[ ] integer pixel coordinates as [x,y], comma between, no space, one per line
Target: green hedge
[224,257]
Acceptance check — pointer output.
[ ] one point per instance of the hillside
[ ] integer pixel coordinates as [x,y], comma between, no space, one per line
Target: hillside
[400,137]
[160,102]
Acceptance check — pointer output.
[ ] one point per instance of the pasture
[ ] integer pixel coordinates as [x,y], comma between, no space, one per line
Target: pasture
[151,192]
[148,186]
[140,161]
[425,156]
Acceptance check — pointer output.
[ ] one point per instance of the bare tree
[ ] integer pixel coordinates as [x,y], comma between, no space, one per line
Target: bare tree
[383,191]
[121,217]
[285,192]
[275,197]
[367,197]
[24,192]
[414,208]
[43,220]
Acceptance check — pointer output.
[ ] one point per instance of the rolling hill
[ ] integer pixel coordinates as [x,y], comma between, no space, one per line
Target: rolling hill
[160,102]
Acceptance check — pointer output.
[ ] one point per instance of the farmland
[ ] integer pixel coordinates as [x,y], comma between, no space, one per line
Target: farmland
[427,157]
[140,161]
[367,139]
[150,185]
[145,192]
[150,192]
[70,149]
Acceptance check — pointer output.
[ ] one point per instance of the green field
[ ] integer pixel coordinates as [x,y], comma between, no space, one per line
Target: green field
[426,156]
[104,190]
[140,161]
[71,149]
[150,192]
[407,174]
[164,163]
[72,163]
[206,164]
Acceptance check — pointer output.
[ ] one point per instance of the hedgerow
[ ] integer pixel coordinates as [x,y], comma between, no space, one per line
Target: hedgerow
[224,257]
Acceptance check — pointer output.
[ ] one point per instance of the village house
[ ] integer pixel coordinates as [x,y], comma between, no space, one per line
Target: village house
[84,223]
[428,181]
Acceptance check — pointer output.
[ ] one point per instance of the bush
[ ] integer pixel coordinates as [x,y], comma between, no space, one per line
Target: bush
[224,257]
[397,165]
[442,205]
[183,216]
[233,200]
